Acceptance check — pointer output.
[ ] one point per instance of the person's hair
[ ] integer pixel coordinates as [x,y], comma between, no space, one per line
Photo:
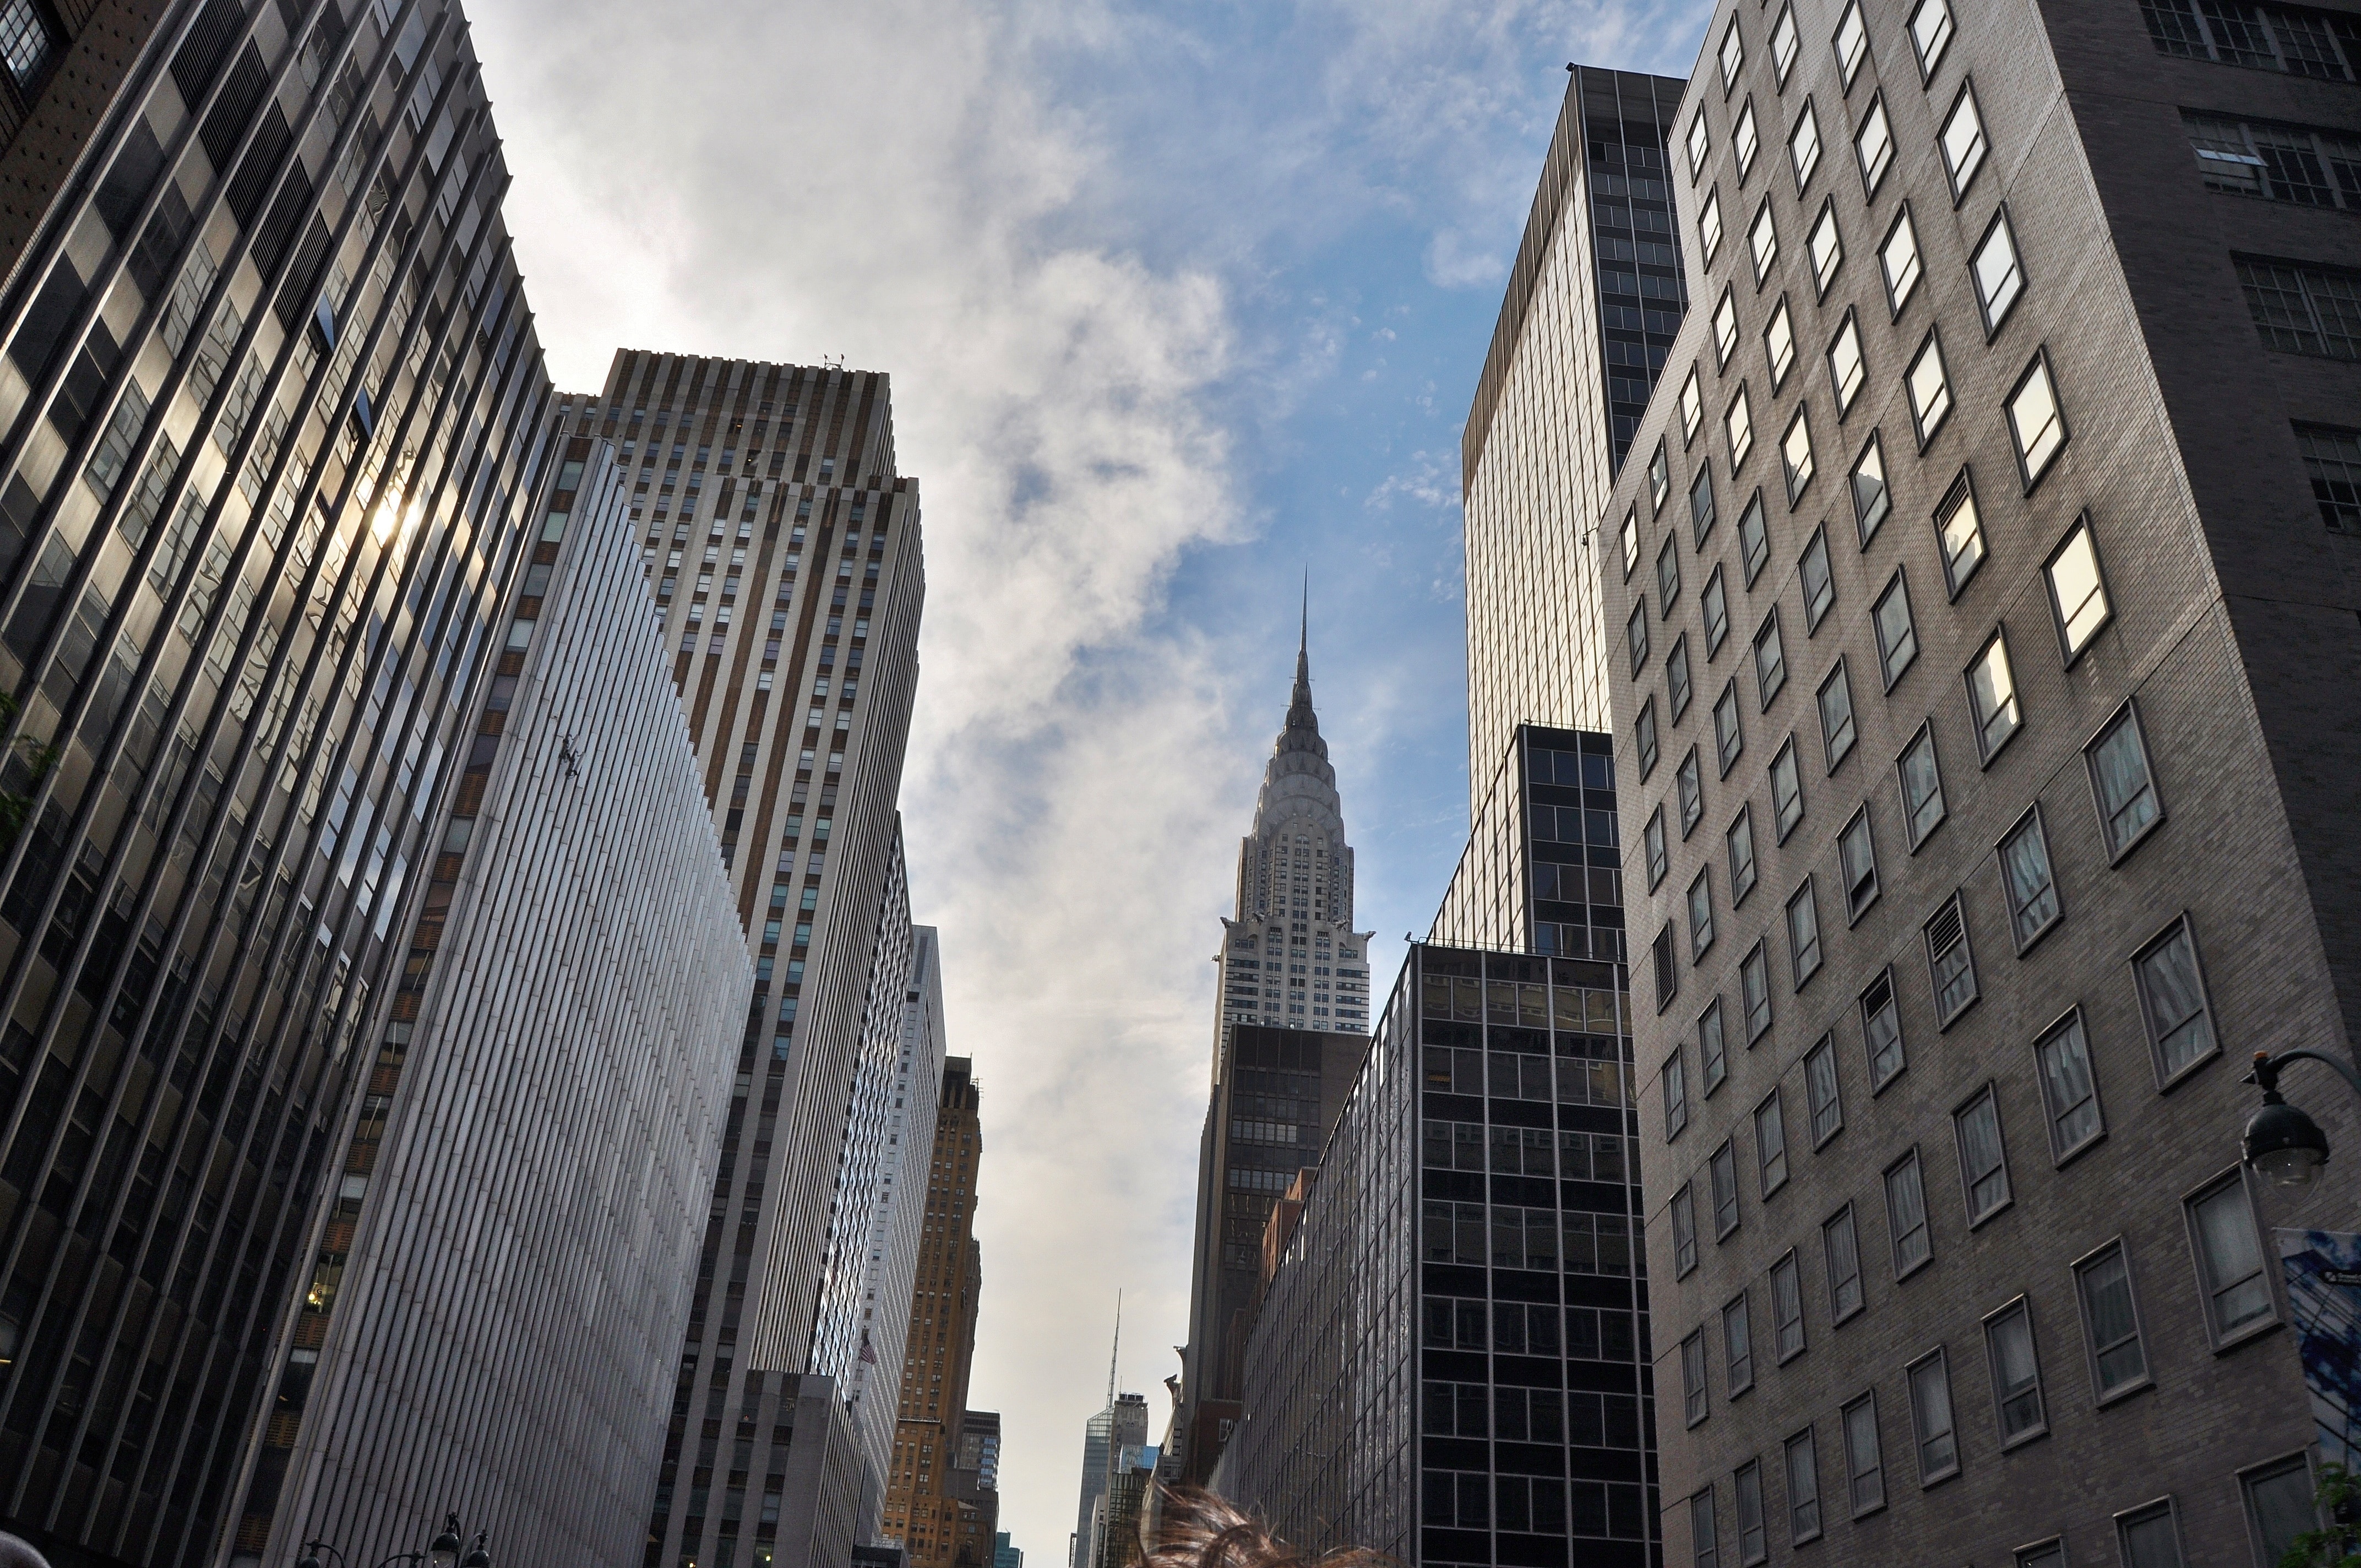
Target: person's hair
[1198,1529]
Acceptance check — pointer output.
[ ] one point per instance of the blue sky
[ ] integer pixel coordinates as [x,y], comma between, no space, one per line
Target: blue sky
[1178,301]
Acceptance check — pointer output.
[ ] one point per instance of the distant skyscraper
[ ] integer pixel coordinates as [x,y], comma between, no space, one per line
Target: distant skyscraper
[973,1495]
[1593,302]
[514,1276]
[1122,1425]
[273,414]
[1003,1554]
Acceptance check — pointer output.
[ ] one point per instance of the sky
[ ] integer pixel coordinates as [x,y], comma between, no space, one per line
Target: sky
[1180,303]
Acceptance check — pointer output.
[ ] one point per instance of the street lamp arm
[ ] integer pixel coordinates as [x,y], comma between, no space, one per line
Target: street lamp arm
[2268,1064]
[403,1557]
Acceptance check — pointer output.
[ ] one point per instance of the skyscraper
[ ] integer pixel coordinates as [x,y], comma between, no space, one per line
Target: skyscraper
[1593,301]
[921,1508]
[1541,873]
[1120,1426]
[784,554]
[1003,1553]
[514,1271]
[2030,809]
[274,412]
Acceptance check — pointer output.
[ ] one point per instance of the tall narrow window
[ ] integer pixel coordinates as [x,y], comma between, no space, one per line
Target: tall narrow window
[1692,406]
[1721,1169]
[1693,1394]
[2026,878]
[1864,1456]
[1740,840]
[2111,1321]
[1676,1095]
[1753,538]
[1631,541]
[2015,1372]
[2172,1002]
[1929,385]
[2229,1251]
[1635,632]
[2149,1537]
[1998,276]
[1751,1547]
[1660,478]
[1738,1344]
[1709,221]
[1770,660]
[1737,423]
[1874,146]
[1825,247]
[1950,962]
[1922,785]
[1653,841]
[1962,140]
[1803,148]
[2034,420]
[1959,529]
[1795,453]
[1668,578]
[1784,42]
[1754,991]
[1803,1488]
[2121,779]
[1983,1161]
[2279,1506]
[1676,676]
[2078,594]
[1700,915]
[1931,1419]
[1898,259]
[1881,1030]
[1725,330]
[1857,858]
[1779,343]
[1701,510]
[1846,370]
[1745,140]
[1644,738]
[1836,732]
[1713,1051]
[1668,981]
[1763,243]
[1905,1215]
[1841,1248]
[1817,581]
[1728,739]
[1705,1546]
[1690,784]
[1787,1307]
[1992,697]
[1700,142]
[1771,1143]
[1714,603]
[1804,933]
[1897,638]
[1684,1214]
[1786,791]
[1871,500]
[1931,33]
[2069,1094]
[1733,56]
[1851,42]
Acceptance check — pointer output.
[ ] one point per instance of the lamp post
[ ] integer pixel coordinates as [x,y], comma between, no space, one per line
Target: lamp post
[443,1551]
[2281,1141]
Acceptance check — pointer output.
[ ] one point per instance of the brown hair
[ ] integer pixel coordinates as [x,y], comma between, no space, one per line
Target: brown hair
[1198,1529]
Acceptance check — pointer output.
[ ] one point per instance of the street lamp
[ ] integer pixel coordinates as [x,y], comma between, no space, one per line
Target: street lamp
[442,1552]
[2281,1141]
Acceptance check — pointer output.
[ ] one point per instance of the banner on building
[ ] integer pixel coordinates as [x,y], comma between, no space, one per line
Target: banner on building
[2324,1285]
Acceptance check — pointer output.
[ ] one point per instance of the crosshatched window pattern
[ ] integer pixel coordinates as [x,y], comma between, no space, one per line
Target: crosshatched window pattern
[2069,1094]
[1881,1030]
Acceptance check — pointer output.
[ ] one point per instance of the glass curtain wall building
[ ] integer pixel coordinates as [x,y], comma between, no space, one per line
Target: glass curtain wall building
[272,411]
[2003,538]
[1452,1357]
[1541,873]
[510,1297]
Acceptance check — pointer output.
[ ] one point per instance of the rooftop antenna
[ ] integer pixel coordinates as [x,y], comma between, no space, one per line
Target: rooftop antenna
[1118,1347]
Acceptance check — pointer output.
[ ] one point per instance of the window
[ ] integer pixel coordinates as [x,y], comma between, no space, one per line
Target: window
[2149,1537]
[2015,1372]
[1852,42]
[1931,1419]
[1728,740]
[1725,330]
[1660,479]
[1931,33]
[1710,222]
[1842,1249]
[1676,1095]
[1737,423]
[1740,839]
[1803,1488]
[2236,36]
[1795,454]
[1733,55]
[1737,1344]
[1821,1091]
[1763,243]
[1983,1163]
[1871,500]
[1779,343]
[1631,541]
[1745,141]
[1644,736]
[1701,509]
[1950,962]
[1836,732]
[1786,791]
[1787,1307]
[2331,461]
[2078,594]
[2050,1554]
[1668,578]
[1712,1054]
[1692,792]
[2229,1252]
[2033,421]
[1905,1216]
[1706,1547]
[2172,1002]
[2069,1094]
[1683,1212]
[1864,1462]
[2303,310]
[1751,1546]
[1962,140]
[1753,538]
[1999,277]
[1693,1400]
[1701,913]
[1692,406]
[2025,877]
[1804,933]
[1754,991]
[2278,1507]
[1874,146]
[1722,1169]
[1881,1027]
[1992,695]
[1784,41]
[1898,259]
[1676,676]
[2111,1322]
[1714,603]
[1771,1143]
[1922,785]
[1846,370]
[1825,245]
[26,44]
[1857,856]
[1635,632]
[2122,782]
[1819,583]
[1804,146]
[1770,660]
[1668,981]
[1652,838]
[1897,640]
[1700,143]
[1929,383]
[1960,528]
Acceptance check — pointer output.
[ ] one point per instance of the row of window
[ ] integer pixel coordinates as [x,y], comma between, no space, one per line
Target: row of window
[2227,1247]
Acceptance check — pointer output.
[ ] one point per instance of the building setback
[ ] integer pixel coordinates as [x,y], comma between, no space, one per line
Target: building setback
[273,411]
[513,1288]
[1996,547]
[1449,1364]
